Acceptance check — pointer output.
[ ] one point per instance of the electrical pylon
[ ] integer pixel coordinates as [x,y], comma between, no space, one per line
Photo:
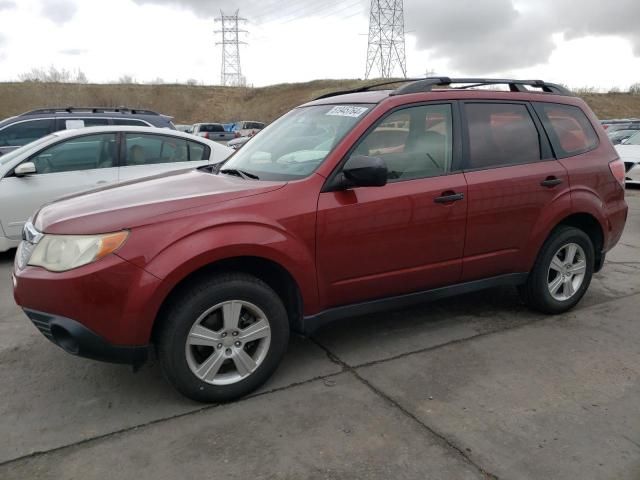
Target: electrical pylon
[385,53]
[231,73]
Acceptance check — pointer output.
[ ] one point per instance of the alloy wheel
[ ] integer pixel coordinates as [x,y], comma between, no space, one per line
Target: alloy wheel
[566,272]
[228,342]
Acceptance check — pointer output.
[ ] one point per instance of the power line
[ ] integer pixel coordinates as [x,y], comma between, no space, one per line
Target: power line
[231,74]
[386,49]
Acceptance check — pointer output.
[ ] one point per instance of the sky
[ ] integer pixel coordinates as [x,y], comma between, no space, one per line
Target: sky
[580,43]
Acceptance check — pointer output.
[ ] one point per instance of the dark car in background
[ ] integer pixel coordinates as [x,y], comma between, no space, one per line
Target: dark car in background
[27,127]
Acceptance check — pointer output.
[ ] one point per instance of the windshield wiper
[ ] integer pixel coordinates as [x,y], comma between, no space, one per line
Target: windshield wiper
[239,173]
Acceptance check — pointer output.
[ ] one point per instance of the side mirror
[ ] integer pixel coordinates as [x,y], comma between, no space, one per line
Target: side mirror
[364,171]
[26,168]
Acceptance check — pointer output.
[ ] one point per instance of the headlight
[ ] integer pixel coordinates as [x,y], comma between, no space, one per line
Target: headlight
[58,253]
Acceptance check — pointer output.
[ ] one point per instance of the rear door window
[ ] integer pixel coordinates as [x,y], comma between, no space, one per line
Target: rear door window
[145,149]
[21,133]
[500,134]
[569,129]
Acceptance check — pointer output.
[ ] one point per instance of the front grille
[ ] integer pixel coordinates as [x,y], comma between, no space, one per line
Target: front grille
[42,323]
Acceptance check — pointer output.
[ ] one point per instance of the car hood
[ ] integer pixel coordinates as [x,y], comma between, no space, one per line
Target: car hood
[141,202]
[628,151]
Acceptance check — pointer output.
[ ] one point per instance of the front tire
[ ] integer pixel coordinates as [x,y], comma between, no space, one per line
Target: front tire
[562,272]
[222,337]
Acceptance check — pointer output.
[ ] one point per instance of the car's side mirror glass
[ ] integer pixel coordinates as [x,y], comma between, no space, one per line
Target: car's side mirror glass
[26,168]
[362,171]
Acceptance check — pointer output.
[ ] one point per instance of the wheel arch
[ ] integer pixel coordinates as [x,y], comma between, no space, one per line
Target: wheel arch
[585,221]
[593,228]
[269,271]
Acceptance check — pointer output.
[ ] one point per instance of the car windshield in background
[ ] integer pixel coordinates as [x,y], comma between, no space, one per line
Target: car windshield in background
[212,127]
[7,157]
[297,143]
[633,140]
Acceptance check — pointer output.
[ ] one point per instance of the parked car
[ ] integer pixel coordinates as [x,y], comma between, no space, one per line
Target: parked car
[73,160]
[618,123]
[634,125]
[237,143]
[247,128]
[212,131]
[18,131]
[323,216]
[629,152]
[184,128]
[619,136]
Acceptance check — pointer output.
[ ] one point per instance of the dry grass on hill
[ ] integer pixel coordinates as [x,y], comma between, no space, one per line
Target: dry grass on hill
[189,104]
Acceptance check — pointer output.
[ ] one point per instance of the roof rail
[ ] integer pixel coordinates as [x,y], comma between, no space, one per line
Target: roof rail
[427,84]
[133,111]
[367,87]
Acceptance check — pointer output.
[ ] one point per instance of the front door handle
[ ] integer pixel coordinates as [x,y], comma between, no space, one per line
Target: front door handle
[449,197]
[101,182]
[551,182]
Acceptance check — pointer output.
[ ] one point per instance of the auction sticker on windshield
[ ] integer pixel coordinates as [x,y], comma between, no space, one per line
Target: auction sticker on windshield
[347,111]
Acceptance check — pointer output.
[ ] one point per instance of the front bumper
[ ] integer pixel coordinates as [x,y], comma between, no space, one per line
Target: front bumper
[111,297]
[75,338]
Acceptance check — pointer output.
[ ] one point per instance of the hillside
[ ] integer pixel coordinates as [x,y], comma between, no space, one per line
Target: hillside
[189,104]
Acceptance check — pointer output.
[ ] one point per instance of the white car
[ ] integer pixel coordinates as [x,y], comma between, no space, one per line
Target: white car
[248,128]
[629,152]
[70,161]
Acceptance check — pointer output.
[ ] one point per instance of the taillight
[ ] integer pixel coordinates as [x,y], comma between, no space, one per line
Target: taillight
[206,134]
[617,169]
[237,134]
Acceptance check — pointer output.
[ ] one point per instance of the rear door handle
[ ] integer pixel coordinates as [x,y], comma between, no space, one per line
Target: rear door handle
[448,197]
[551,182]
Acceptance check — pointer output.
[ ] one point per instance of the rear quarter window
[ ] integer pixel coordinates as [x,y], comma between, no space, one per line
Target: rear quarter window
[569,129]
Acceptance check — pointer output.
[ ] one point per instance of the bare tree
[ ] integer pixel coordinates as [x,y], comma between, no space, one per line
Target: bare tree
[635,89]
[53,75]
[128,79]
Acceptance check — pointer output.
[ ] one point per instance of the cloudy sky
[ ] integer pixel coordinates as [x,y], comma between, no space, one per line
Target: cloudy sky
[576,42]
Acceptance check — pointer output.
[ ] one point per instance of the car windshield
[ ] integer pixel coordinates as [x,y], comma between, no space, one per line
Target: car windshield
[633,140]
[7,157]
[297,143]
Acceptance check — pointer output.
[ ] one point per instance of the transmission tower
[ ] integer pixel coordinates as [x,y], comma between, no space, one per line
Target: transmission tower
[385,52]
[230,32]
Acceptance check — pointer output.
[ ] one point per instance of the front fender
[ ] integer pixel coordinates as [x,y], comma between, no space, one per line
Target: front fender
[205,247]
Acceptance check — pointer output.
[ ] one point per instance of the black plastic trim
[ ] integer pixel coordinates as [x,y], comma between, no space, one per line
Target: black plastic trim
[78,340]
[313,322]
[427,84]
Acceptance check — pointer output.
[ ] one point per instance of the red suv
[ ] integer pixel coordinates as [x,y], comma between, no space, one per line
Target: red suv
[352,203]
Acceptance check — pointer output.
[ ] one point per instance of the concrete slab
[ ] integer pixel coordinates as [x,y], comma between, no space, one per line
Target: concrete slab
[334,430]
[52,399]
[554,399]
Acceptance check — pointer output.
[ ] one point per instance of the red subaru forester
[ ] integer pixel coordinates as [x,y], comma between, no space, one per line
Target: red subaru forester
[355,202]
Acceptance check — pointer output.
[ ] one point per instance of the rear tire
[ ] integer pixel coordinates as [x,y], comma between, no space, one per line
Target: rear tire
[222,337]
[562,272]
